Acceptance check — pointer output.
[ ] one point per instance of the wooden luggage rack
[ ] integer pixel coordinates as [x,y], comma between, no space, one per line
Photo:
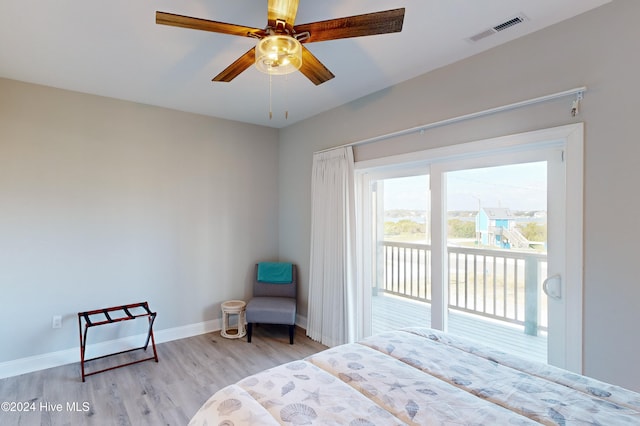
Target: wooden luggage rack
[112,315]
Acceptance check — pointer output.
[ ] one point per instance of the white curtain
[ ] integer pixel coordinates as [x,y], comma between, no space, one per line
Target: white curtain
[331,317]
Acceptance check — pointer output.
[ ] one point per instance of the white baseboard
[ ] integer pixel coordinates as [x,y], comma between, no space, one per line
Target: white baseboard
[68,356]
[301,321]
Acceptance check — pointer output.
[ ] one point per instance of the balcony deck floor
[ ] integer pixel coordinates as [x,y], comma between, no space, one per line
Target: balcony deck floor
[392,312]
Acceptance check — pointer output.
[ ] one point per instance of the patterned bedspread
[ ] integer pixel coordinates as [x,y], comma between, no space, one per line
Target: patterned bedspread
[418,376]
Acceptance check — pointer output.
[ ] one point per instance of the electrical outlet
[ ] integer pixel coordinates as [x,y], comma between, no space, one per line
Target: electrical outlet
[56,321]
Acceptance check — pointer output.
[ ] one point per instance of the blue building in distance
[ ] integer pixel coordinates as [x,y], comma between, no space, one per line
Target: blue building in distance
[496,226]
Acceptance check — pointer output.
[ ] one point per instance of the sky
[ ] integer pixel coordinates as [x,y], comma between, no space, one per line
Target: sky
[517,187]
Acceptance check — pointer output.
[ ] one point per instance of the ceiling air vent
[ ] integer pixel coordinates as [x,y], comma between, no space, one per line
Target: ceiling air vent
[482,35]
[497,28]
[510,23]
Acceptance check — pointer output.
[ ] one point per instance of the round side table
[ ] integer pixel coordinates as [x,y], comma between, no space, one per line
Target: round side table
[233,307]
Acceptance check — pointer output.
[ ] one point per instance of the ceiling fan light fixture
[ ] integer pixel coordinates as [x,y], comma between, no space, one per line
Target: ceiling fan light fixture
[278,54]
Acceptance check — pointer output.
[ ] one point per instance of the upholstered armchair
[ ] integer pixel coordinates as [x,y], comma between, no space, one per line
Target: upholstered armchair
[274,297]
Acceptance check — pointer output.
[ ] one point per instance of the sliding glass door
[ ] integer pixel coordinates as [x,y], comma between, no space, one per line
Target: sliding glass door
[401,288]
[497,251]
[467,243]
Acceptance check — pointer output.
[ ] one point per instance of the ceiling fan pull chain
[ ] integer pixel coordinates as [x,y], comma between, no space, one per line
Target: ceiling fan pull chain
[270,109]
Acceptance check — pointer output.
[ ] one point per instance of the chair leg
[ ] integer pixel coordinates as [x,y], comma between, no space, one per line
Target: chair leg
[292,329]
[249,331]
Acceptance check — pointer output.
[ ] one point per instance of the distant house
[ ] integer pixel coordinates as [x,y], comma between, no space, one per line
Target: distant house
[495,226]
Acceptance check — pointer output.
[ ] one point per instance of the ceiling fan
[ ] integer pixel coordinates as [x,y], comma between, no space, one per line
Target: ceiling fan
[280,49]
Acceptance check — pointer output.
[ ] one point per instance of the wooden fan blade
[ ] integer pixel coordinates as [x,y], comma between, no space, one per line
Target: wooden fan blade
[285,10]
[164,18]
[389,21]
[313,69]
[236,68]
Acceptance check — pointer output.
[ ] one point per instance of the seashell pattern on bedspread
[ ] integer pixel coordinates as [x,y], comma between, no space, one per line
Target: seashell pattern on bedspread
[418,376]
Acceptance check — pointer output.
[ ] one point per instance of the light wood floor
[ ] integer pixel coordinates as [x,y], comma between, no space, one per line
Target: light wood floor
[169,392]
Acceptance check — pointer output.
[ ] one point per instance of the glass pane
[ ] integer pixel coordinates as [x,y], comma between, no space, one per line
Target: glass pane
[497,254]
[402,288]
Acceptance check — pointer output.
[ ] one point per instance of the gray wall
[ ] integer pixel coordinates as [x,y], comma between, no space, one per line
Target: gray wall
[597,49]
[105,202]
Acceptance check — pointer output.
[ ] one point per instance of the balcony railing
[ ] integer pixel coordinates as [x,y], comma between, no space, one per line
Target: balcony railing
[500,284]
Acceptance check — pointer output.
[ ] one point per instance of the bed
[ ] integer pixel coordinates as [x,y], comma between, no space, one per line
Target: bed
[418,376]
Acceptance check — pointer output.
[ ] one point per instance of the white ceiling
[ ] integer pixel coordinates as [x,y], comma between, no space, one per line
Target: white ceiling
[114,48]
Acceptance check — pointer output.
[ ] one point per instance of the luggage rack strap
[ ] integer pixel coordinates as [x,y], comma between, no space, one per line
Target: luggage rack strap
[126,309]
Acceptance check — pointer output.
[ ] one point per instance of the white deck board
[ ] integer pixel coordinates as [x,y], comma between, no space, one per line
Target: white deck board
[393,312]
